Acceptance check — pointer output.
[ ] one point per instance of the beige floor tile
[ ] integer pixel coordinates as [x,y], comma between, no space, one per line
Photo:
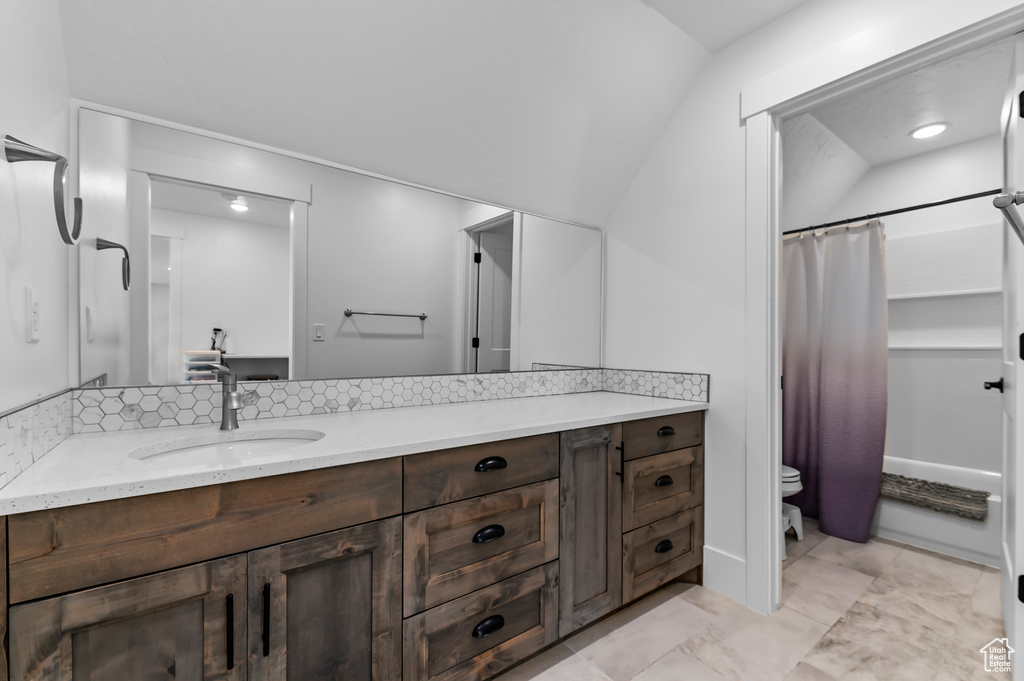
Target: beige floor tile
[868,644]
[675,666]
[805,672]
[762,650]
[962,658]
[871,558]
[559,663]
[708,600]
[795,549]
[628,642]
[941,585]
[822,590]
[987,596]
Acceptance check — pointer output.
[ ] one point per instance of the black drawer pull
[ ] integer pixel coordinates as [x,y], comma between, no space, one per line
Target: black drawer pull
[231,630]
[664,546]
[491,463]
[488,626]
[266,620]
[666,431]
[489,533]
[664,481]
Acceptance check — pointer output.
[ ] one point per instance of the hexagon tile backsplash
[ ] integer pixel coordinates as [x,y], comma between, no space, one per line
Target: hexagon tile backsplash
[113,409]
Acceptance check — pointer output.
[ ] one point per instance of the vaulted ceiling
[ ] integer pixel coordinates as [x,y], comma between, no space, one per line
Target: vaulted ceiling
[547,106]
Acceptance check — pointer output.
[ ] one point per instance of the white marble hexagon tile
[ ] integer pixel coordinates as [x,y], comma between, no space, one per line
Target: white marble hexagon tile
[113,409]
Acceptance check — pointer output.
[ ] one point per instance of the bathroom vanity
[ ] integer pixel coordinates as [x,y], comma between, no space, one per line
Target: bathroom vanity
[448,555]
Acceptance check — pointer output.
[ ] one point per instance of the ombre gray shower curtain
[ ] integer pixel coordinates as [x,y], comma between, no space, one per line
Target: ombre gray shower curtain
[835,364]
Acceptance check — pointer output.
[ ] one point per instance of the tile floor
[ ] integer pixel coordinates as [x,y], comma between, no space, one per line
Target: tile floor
[879,610]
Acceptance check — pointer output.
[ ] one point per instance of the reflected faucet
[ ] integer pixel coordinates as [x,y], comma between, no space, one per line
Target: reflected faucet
[231,401]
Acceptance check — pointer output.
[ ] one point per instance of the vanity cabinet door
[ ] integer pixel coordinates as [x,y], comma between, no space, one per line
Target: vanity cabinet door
[590,532]
[328,607]
[186,624]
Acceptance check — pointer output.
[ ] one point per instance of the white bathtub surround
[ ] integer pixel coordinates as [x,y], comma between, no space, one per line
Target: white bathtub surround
[973,540]
[28,434]
[114,409]
[93,467]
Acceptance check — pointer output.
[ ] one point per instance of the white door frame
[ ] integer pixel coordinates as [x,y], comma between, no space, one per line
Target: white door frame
[897,46]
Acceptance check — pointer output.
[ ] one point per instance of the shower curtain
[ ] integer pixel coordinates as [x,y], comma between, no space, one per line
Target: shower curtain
[835,364]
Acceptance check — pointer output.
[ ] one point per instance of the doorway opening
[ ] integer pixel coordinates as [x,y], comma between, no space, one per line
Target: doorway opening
[492,286]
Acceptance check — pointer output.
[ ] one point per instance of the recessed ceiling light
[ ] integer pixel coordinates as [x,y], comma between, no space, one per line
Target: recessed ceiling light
[239,205]
[927,131]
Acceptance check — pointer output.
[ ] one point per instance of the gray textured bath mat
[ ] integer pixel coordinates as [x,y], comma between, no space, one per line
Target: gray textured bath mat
[936,496]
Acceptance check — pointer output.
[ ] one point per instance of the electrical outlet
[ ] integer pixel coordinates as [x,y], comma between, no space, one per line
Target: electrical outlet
[31,316]
[318,333]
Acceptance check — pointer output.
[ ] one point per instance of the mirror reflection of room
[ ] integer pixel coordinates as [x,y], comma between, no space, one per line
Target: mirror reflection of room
[314,271]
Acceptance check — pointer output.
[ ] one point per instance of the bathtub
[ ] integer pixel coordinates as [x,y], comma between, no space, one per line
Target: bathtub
[969,539]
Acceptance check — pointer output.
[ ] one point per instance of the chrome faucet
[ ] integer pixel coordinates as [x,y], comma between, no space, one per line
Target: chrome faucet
[231,401]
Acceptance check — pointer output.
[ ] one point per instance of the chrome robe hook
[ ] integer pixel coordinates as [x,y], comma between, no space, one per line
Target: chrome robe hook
[16,150]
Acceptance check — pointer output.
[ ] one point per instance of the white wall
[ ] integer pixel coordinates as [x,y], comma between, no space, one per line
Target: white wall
[104,160]
[235,277]
[33,108]
[676,249]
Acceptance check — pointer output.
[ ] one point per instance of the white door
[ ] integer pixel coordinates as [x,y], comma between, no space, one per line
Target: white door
[1013,373]
[495,300]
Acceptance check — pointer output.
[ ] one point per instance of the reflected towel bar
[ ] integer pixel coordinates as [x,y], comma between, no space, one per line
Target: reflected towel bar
[126,265]
[15,151]
[421,315]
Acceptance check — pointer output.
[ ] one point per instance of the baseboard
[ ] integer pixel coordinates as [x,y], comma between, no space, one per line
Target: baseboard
[726,574]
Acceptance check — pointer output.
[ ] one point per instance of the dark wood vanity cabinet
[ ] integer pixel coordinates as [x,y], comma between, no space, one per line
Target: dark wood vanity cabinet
[445,566]
[591,526]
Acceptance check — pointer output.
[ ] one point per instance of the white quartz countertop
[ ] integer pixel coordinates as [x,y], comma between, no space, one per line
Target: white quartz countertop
[94,467]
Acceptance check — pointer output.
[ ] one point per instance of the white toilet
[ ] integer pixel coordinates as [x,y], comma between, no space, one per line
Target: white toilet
[791,516]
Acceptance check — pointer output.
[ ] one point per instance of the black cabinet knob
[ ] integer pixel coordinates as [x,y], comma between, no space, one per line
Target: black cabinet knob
[666,431]
[664,481]
[664,546]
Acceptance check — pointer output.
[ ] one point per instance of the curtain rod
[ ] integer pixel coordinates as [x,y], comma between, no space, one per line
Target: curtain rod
[837,223]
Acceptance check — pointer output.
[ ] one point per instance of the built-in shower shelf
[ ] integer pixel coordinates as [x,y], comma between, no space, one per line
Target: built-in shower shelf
[946,294]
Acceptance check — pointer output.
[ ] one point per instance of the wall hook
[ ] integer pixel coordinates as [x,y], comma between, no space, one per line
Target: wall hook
[126,265]
[16,150]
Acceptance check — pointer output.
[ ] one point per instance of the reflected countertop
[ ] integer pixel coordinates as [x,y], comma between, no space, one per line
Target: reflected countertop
[93,467]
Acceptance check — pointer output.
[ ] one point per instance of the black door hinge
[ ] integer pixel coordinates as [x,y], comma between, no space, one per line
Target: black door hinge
[1021,348]
[1020,588]
[476,342]
[476,258]
[782,382]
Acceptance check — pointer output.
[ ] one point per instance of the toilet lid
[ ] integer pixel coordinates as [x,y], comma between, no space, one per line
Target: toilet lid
[790,474]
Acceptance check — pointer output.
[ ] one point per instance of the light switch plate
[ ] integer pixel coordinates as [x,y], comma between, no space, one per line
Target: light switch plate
[318,333]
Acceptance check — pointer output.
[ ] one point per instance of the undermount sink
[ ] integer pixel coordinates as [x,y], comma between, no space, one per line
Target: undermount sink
[223,448]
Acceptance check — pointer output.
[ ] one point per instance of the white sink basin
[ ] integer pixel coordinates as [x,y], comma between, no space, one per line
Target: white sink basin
[225,448]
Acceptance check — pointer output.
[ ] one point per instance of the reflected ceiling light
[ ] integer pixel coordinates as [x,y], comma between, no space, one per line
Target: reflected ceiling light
[931,130]
[239,205]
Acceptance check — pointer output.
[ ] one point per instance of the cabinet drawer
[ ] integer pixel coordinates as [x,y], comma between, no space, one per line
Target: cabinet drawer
[65,549]
[658,553]
[662,434]
[660,486]
[479,635]
[450,475]
[457,548]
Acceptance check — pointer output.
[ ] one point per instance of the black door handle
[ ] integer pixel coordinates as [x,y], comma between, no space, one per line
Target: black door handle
[998,385]
[664,546]
[665,431]
[664,481]
[491,463]
[488,626]
[489,533]
[266,620]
